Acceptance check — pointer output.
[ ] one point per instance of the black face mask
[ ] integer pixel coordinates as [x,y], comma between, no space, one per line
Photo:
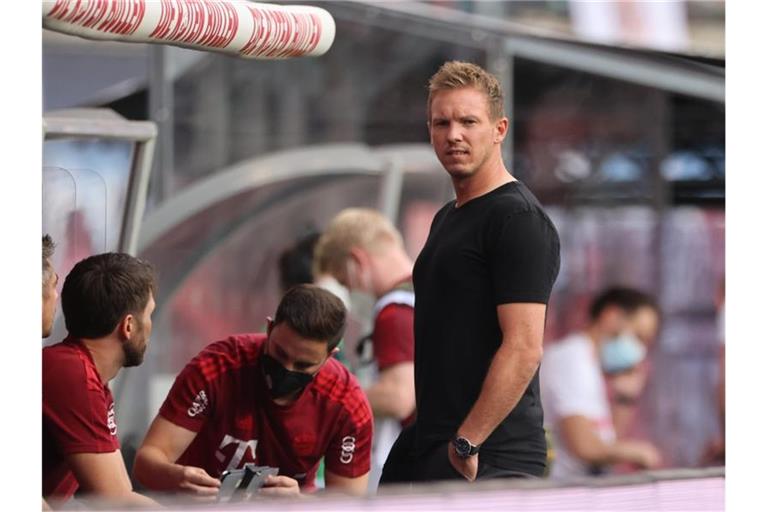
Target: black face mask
[280,381]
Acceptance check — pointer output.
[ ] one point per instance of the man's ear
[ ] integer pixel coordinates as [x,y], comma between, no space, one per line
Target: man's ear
[361,260]
[331,353]
[501,128]
[126,326]
[270,325]
[358,254]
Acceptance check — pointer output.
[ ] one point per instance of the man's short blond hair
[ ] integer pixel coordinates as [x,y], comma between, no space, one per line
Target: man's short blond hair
[353,227]
[456,75]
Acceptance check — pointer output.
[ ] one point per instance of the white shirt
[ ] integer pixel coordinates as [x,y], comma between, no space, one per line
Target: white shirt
[572,384]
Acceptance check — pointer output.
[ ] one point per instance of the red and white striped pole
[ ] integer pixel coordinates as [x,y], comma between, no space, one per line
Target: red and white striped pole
[236,27]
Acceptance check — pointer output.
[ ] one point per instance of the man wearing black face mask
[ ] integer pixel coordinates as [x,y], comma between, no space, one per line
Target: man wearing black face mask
[278,400]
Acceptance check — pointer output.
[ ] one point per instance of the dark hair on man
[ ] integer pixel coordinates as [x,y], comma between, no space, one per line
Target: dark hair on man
[628,299]
[314,313]
[295,263]
[48,249]
[100,290]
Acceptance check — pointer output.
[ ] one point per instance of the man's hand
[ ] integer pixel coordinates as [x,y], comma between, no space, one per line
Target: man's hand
[196,481]
[641,453]
[466,467]
[280,487]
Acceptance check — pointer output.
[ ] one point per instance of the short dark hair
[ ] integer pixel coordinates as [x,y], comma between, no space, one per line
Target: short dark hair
[628,299]
[48,249]
[295,263]
[100,290]
[314,313]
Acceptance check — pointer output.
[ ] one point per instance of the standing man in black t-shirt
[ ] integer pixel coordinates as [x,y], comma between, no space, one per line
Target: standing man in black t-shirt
[482,284]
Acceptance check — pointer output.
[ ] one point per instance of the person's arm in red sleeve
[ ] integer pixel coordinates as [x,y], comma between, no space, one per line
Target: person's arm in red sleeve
[78,416]
[182,415]
[394,393]
[103,475]
[348,459]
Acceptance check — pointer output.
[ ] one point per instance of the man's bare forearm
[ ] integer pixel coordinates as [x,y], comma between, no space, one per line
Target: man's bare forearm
[388,399]
[153,469]
[383,399]
[509,374]
[129,499]
[393,394]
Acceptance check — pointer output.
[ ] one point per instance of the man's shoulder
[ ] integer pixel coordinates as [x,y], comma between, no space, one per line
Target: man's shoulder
[62,351]
[239,348]
[574,342]
[229,354]
[442,212]
[66,367]
[334,376]
[394,301]
[569,351]
[514,198]
[336,384]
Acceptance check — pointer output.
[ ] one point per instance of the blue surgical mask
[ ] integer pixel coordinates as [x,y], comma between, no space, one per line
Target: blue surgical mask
[621,353]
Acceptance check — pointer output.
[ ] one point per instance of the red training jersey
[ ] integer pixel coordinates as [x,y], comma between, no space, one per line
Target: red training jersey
[78,414]
[393,336]
[393,340]
[221,395]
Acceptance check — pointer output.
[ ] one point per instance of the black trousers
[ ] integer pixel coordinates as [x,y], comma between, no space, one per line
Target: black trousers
[403,465]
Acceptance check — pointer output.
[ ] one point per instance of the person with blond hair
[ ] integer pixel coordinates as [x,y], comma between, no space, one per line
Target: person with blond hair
[482,283]
[363,251]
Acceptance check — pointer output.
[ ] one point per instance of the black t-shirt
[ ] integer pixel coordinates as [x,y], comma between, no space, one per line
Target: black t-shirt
[496,249]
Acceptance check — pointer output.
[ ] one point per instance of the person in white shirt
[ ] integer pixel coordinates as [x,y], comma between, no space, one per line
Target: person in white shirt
[577,410]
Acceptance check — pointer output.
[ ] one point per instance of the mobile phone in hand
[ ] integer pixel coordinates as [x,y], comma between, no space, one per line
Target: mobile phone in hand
[241,484]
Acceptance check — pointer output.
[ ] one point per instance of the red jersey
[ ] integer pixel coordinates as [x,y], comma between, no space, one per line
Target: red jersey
[78,414]
[221,395]
[393,336]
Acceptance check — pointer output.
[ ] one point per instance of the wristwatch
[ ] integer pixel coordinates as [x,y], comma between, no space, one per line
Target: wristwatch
[464,448]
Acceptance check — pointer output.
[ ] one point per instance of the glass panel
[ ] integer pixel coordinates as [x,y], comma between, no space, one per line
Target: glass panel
[75,215]
[111,161]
